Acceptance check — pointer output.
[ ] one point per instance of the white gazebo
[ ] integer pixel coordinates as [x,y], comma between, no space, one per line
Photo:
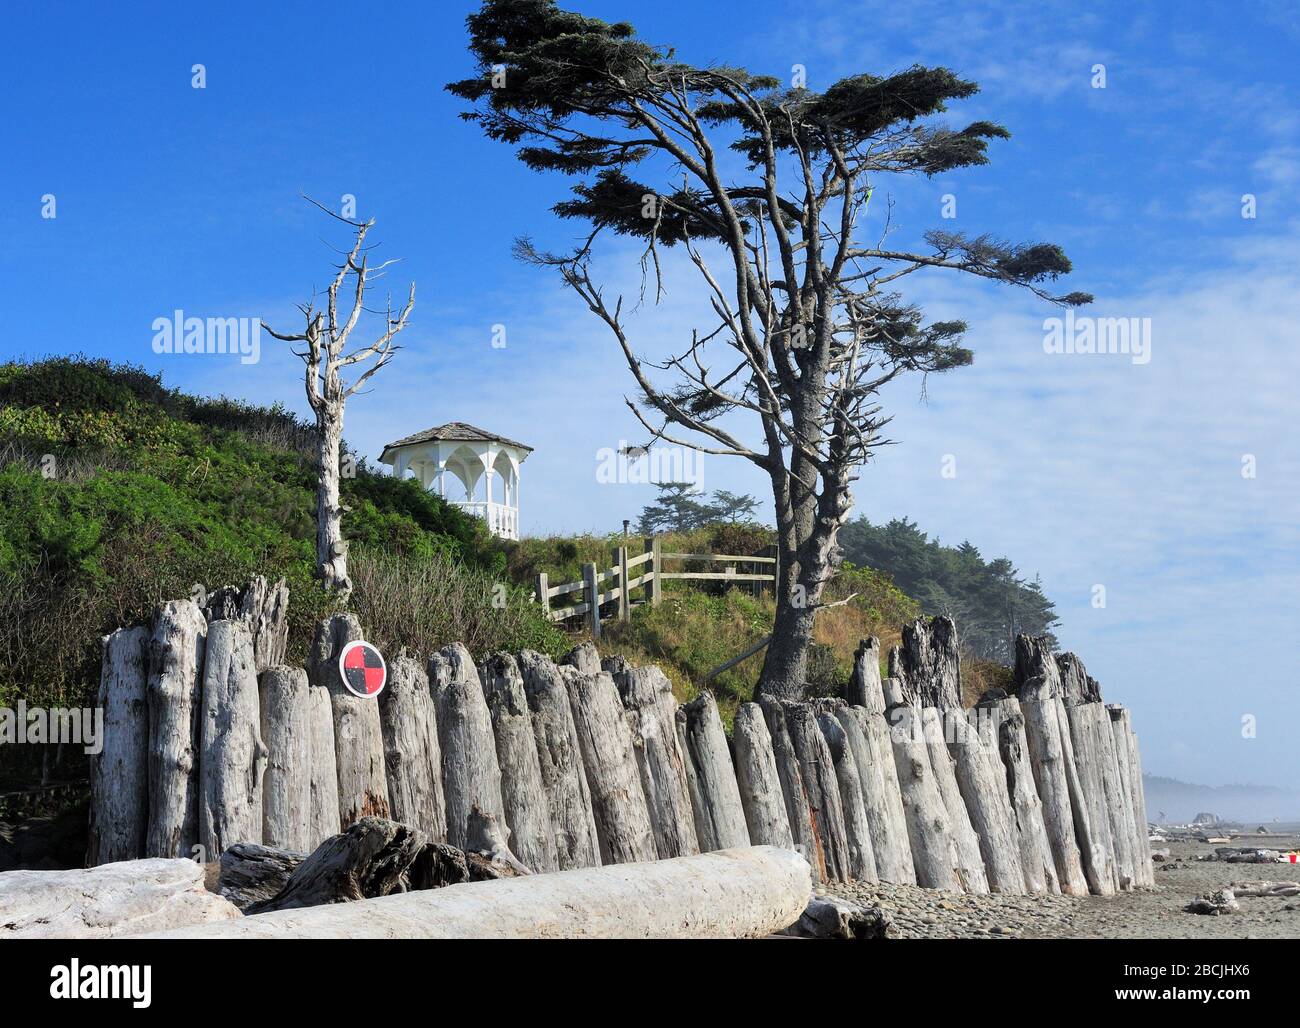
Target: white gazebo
[485,465]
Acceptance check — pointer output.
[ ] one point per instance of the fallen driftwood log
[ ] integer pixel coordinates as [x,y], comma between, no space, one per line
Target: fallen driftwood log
[559,758]
[412,753]
[797,805]
[286,785]
[759,781]
[115,899]
[527,812]
[720,816]
[118,805]
[647,696]
[358,737]
[830,917]
[745,893]
[1218,902]
[249,873]
[177,644]
[233,755]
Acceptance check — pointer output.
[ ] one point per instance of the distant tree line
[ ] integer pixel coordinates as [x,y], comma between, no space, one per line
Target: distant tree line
[682,507]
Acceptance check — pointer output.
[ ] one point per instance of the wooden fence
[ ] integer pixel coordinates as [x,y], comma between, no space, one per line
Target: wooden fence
[616,585]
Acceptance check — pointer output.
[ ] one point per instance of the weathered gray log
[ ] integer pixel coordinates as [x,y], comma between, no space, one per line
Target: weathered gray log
[358,737]
[744,893]
[830,917]
[108,901]
[412,755]
[222,604]
[1130,769]
[982,782]
[1091,822]
[371,858]
[617,800]
[721,822]
[934,857]
[175,694]
[471,776]
[821,787]
[862,857]
[864,688]
[966,842]
[1140,801]
[647,696]
[119,809]
[528,814]
[266,609]
[927,664]
[616,664]
[759,781]
[585,657]
[868,735]
[1121,833]
[807,840]
[693,786]
[251,874]
[1038,687]
[286,786]
[233,755]
[323,816]
[559,758]
[1006,729]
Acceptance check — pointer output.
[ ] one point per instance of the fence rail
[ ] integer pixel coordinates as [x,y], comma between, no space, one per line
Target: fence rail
[615,584]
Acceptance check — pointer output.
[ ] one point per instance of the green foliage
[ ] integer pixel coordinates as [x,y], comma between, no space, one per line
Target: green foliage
[681,507]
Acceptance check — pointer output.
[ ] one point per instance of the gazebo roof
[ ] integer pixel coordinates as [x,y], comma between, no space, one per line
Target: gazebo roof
[455,431]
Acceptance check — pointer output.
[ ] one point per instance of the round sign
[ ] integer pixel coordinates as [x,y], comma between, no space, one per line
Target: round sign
[362,669]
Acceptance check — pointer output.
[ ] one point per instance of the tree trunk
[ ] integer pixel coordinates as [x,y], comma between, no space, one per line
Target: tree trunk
[358,737]
[720,824]
[119,807]
[286,786]
[233,755]
[759,781]
[331,547]
[323,813]
[617,801]
[798,807]
[175,692]
[785,662]
[862,857]
[471,776]
[532,836]
[559,757]
[647,696]
[411,757]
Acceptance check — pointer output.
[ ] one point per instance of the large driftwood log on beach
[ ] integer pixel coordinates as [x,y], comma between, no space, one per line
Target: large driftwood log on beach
[286,785]
[720,822]
[1130,777]
[743,893]
[1087,792]
[965,840]
[821,787]
[119,807]
[585,657]
[927,665]
[982,781]
[251,874]
[358,737]
[175,694]
[1120,831]
[523,793]
[323,814]
[647,696]
[471,776]
[412,754]
[233,756]
[559,756]
[605,740]
[798,808]
[759,781]
[266,609]
[862,856]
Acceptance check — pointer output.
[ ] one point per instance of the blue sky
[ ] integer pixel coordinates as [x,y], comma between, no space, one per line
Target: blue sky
[1085,470]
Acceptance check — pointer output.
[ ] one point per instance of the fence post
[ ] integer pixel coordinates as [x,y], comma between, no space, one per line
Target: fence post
[543,589]
[592,589]
[656,567]
[624,599]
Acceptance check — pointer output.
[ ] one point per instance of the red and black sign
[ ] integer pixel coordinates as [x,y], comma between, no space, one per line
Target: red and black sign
[362,668]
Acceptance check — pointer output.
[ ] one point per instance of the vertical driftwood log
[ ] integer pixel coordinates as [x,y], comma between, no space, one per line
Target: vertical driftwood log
[605,740]
[759,781]
[266,609]
[1038,687]
[358,737]
[721,823]
[222,604]
[1108,769]
[966,843]
[175,692]
[233,755]
[286,785]
[1005,725]
[868,736]
[821,787]
[412,766]
[1140,803]
[864,688]
[1087,796]
[862,857]
[927,665]
[803,828]
[471,776]
[647,696]
[1130,774]
[119,807]
[983,788]
[585,657]
[559,758]
[933,853]
[323,816]
[528,814]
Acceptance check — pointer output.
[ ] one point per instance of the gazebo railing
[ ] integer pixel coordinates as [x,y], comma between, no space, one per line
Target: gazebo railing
[501,520]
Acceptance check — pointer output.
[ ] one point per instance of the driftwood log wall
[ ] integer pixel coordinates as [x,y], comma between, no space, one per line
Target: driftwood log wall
[212,740]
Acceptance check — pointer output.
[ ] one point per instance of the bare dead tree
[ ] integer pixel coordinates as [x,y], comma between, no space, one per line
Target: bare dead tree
[326,354]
